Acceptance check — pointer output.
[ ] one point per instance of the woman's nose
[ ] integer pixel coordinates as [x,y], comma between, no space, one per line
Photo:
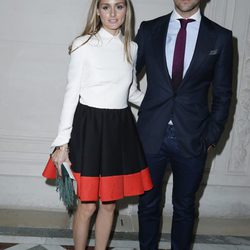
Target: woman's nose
[113,12]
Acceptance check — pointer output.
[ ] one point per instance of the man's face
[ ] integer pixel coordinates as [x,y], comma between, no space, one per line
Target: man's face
[187,7]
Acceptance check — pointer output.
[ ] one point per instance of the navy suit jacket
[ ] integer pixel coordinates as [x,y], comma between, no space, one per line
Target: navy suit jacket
[197,126]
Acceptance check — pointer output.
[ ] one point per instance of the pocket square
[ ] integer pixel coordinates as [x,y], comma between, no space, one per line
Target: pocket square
[213,52]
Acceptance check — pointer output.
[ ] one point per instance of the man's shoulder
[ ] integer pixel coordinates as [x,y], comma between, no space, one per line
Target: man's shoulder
[216,27]
[151,24]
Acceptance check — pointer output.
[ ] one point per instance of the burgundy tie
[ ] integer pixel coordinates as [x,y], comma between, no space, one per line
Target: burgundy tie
[179,53]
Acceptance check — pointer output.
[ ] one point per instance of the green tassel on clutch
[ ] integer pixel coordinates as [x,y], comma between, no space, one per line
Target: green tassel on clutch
[65,187]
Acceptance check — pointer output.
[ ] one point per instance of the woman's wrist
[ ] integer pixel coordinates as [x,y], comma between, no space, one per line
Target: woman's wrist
[64,148]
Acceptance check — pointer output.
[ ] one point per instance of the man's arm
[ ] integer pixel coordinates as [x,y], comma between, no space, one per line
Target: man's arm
[221,90]
[139,39]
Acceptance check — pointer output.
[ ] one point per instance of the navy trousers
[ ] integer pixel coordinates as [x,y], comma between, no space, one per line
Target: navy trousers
[187,175]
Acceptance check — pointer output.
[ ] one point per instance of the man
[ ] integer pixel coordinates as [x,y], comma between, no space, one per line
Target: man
[182,60]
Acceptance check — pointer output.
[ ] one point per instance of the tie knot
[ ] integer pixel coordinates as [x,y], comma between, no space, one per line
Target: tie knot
[184,22]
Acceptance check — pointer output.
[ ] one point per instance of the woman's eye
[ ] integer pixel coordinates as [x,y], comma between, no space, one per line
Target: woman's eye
[120,7]
[105,7]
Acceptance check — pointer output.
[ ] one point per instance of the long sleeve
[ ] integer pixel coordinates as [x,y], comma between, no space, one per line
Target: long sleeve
[71,96]
[135,95]
[139,39]
[222,91]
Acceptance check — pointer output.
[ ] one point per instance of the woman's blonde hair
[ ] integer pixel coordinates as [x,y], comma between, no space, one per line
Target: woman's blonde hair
[94,24]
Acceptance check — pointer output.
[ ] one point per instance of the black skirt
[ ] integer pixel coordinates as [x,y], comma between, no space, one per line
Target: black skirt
[106,155]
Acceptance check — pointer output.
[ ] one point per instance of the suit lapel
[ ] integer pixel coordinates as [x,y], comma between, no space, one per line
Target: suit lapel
[205,42]
[159,38]
[202,48]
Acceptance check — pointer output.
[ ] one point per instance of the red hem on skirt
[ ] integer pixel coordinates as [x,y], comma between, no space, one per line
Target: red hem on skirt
[112,188]
[108,188]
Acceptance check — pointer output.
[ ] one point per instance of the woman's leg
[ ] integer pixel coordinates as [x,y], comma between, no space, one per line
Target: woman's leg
[104,223]
[81,222]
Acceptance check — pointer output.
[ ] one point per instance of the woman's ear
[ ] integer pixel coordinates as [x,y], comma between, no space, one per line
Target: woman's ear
[97,12]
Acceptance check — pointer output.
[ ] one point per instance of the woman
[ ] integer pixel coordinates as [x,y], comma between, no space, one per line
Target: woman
[105,154]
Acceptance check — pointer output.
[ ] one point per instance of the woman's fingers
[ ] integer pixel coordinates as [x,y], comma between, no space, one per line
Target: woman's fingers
[58,166]
[68,161]
[59,169]
[58,157]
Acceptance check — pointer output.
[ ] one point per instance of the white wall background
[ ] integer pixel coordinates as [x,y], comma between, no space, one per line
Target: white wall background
[34,36]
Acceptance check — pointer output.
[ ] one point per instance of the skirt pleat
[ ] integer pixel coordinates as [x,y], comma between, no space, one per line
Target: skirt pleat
[106,155]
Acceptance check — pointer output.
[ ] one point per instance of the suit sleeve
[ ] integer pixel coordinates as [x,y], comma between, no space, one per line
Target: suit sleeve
[139,39]
[221,90]
[135,95]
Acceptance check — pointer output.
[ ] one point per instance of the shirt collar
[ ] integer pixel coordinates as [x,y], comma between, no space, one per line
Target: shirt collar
[196,16]
[104,34]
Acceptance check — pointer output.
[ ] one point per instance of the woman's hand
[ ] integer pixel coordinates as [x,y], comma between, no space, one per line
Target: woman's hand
[61,155]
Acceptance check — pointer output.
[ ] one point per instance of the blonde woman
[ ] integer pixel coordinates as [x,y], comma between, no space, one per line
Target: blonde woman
[96,123]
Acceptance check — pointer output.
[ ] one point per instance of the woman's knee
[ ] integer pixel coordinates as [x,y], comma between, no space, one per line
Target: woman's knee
[86,209]
[108,207]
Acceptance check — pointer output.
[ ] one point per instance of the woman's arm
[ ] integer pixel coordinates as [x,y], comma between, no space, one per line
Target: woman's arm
[71,96]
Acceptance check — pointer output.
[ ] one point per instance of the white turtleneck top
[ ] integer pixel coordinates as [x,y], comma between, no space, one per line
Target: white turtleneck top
[100,75]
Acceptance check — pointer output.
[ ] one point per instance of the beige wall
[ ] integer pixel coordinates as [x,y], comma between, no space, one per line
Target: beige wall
[34,35]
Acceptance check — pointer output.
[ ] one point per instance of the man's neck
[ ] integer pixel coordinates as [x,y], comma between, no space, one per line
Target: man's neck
[187,14]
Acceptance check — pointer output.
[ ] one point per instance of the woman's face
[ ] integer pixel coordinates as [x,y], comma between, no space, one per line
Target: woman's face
[112,14]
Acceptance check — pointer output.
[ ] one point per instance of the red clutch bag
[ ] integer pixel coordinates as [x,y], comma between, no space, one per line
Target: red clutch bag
[50,170]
